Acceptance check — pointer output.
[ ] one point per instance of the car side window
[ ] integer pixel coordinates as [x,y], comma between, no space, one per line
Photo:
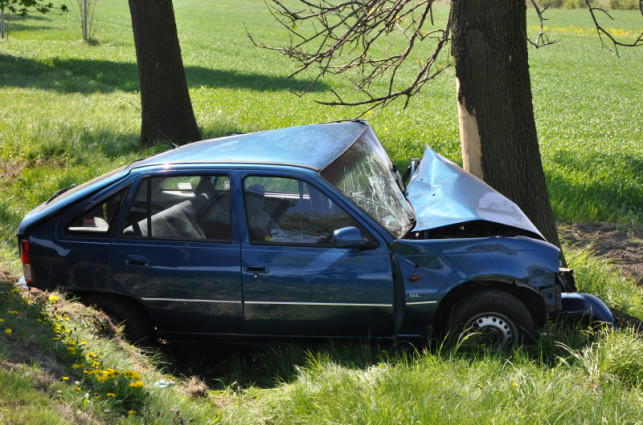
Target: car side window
[282,210]
[181,207]
[97,220]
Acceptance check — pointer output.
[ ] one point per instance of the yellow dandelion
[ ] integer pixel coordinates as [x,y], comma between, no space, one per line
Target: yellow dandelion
[132,374]
[1,320]
[65,378]
[8,331]
[110,395]
[101,378]
[15,290]
[56,338]
[137,384]
[131,412]
[14,312]
[78,366]
[515,385]
[82,342]
[53,298]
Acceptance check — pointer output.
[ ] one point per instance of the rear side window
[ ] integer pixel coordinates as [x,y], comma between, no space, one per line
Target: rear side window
[181,207]
[97,220]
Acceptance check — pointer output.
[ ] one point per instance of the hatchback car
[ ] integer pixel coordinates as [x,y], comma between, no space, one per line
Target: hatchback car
[300,232]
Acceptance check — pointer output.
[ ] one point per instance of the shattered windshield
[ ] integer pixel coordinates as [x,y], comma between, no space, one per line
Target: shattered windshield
[364,173]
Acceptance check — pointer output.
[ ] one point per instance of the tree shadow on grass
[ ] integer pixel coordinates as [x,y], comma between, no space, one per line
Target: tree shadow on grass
[91,76]
[270,364]
[265,365]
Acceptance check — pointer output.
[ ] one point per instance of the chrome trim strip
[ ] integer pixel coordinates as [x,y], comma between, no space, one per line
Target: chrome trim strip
[421,302]
[191,301]
[318,304]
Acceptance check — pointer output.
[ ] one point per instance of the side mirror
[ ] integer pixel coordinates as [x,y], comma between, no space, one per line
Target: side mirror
[348,237]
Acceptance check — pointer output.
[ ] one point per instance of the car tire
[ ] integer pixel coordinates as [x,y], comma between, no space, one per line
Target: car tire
[492,319]
[137,326]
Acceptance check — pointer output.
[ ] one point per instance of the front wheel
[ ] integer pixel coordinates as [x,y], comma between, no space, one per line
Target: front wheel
[492,319]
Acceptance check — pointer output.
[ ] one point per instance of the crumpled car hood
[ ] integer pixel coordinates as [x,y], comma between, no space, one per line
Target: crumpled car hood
[442,194]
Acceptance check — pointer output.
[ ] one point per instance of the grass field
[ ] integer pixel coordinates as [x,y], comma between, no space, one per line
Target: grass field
[69,111]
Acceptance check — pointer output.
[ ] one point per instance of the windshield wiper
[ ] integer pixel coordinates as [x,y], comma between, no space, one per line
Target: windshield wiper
[415,163]
[60,192]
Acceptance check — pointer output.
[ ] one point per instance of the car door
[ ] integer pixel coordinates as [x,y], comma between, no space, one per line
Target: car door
[178,252]
[294,281]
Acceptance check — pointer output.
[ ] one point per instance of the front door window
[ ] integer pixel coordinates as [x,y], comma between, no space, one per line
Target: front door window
[288,211]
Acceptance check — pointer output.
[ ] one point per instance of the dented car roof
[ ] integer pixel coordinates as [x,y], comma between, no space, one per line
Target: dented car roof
[310,146]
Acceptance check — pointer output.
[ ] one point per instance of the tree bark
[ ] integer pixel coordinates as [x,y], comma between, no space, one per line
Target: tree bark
[491,62]
[165,99]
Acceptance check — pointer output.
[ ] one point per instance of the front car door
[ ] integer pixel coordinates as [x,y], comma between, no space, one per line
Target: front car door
[178,251]
[294,281]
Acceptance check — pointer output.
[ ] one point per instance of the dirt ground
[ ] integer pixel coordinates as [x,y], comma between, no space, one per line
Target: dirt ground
[621,244]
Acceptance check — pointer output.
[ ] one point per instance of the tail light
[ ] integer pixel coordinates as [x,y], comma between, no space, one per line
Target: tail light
[25,257]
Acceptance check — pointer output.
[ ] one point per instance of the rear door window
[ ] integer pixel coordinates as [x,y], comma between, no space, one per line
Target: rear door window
[181,207]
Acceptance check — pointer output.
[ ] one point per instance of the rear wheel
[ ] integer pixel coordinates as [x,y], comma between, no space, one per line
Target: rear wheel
[492,319]
[137,325]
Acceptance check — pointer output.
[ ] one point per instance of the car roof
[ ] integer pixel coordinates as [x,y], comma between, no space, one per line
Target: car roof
[310,146]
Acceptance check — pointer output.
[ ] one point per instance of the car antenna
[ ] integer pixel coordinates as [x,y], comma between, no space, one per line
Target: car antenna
[167,139]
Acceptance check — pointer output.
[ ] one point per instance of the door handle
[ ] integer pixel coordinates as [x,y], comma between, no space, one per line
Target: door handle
[256,267]
[136,260]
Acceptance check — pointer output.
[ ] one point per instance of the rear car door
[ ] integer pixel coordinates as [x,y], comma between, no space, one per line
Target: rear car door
[178,251]
[294,281]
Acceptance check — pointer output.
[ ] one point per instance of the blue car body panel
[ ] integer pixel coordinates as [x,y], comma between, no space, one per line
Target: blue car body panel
[238,289]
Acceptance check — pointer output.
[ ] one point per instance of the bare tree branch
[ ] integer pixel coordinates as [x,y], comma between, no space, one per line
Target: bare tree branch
[355,35]
[358,37]
[542,39]
[600,30]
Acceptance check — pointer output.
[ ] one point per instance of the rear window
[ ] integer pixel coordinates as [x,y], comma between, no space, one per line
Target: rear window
[64,193]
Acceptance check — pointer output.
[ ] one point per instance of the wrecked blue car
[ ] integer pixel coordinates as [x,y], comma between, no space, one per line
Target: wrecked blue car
[307,231]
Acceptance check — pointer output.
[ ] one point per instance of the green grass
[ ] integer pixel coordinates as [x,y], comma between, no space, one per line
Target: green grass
[66,116]
[570,376]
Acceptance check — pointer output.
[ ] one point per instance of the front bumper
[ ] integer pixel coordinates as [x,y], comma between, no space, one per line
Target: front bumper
[579,305]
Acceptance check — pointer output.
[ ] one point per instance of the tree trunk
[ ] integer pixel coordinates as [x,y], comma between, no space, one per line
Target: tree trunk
[165,99]
[494,97]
